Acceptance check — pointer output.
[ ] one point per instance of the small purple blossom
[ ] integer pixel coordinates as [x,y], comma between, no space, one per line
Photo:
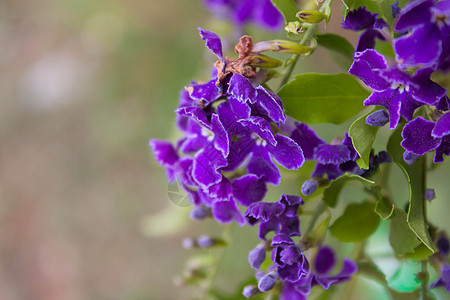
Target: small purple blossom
[324,263]
[362,19]
[395,90]
[421,136]
[260,12]
[291,263]
[427,23]
[280,217]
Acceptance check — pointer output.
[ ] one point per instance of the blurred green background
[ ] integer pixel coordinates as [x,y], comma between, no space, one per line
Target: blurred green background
[84,208]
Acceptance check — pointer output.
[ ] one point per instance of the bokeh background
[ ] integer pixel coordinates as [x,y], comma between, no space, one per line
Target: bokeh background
[85,211]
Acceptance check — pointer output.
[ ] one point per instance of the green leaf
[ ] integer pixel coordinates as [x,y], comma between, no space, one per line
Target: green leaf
[401,238]
[340,49]
[384,208]
[357,223]
[288,9]
[370,270]
[421,252]
[414,174]
[385,48]
[323,98]
[363,136]
[331,193]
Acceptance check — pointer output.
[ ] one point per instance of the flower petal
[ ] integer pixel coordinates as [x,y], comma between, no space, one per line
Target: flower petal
[417,136]
[213,42]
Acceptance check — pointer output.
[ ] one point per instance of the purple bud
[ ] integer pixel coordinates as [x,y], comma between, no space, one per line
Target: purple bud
[395,9]
[309,187]
[377,118]
[410,157]
[267,282]
[250,291]
[200,213]
[430,194]
[443,245]
[188,243]
[257,256]
[358,171]
[205,241]
[381,158]
[259,275]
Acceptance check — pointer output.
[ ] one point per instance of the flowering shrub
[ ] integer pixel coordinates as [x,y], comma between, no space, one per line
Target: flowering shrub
[239,134]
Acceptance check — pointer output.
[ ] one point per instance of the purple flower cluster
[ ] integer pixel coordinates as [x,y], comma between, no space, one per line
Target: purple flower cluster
[405,85]
[231,140]
[290,264]
[259,12]
[230,144]
[324,263]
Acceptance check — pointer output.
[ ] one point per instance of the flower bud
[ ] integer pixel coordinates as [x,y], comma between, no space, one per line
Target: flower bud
[200,213]
[250,291]
[309,187]
[410,157]
[281,46]
[377,118]
[257,256]
[267,282]
[430,194]
[294,27]
[443,245]
[382,158]
[188,243]
[206,241]
[267,62]
[311,16]
[259,275]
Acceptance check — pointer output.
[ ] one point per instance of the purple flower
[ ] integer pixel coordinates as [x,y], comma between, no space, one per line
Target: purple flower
[428,40]
[394,89]
[324,263]
[218,139]
[280,217]
[332,160]
[260,12]
[362,19]
[421,136]
[291,263]
[444,280]
[443,245]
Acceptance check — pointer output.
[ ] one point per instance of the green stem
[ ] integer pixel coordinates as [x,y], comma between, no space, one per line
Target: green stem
[424,279]
[320,208]
[219,254]
[309,34]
